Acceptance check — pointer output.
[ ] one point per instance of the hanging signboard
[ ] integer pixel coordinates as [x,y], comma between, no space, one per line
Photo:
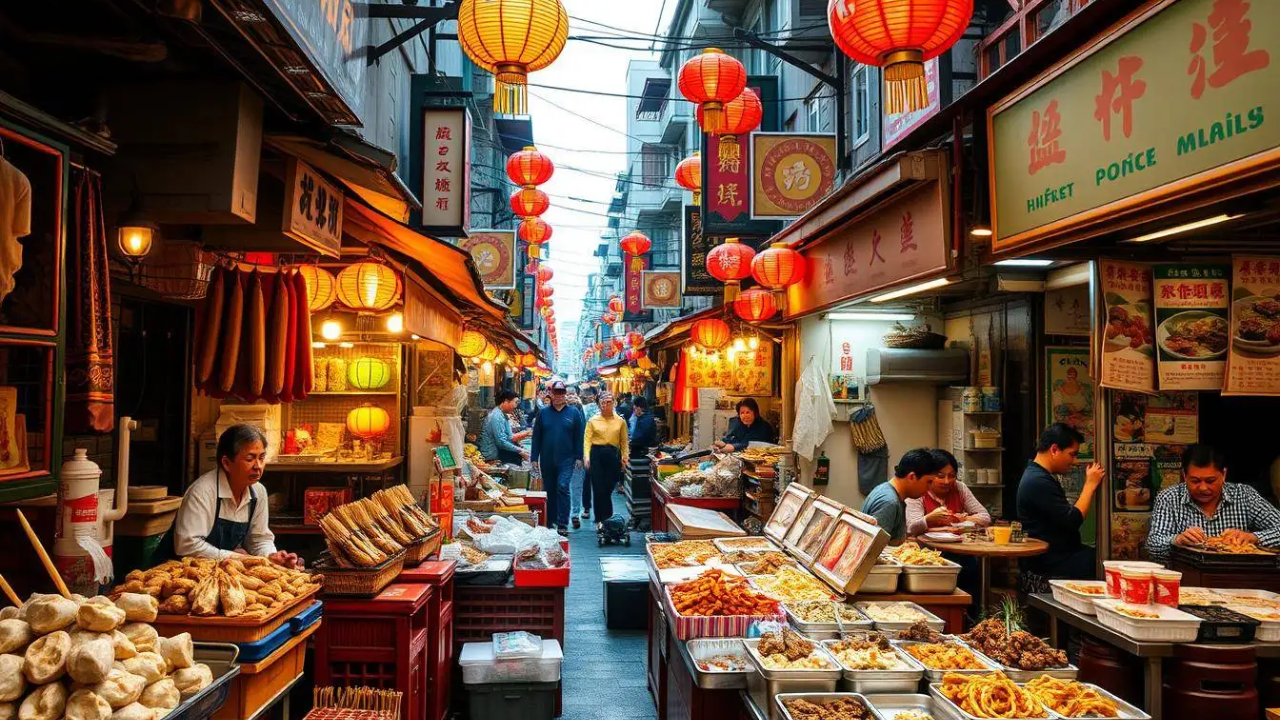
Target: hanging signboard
[695,279]
[1066,311]
[899,126]
[632,277]
[1128,353]
[1171,99]
[494,253]
[527,313]
[1253,365]
[790,173]
[334,39]
[1192,309]
[312,209]
[660,289]
[1069,393]
[446,170]
[726,172]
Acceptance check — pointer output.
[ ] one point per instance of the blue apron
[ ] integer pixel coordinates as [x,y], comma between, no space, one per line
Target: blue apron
[224,535]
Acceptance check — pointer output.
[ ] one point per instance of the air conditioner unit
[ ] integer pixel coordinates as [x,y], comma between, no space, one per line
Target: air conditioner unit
[939,367]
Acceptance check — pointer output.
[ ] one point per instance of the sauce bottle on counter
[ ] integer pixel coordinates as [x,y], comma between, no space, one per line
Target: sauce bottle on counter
[822,471]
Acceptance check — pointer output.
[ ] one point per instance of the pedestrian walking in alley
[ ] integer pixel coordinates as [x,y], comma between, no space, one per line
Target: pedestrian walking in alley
[605,445]
[557,453]
[643,428]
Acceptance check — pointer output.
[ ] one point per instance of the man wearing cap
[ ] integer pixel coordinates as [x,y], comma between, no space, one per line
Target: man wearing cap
[557,453]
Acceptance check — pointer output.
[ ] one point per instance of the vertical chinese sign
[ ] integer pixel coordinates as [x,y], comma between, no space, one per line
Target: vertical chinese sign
[697,281]
[726,173]
[446,171]
[1192,323]
[633,276]
[313,209]
[528,296]
[494,253]
[1128,353]
[1253,366]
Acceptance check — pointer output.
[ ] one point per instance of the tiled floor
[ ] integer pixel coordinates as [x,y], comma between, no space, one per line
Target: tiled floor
[604,670]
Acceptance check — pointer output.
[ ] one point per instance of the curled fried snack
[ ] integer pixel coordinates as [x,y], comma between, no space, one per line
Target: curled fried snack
[990,696]
[945,656]
[1071,699]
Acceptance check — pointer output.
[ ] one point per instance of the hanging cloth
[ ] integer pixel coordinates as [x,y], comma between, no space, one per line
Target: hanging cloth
[814,410]
[90,377]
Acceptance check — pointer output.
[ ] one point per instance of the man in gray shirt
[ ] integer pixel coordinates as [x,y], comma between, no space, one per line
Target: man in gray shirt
[910,481]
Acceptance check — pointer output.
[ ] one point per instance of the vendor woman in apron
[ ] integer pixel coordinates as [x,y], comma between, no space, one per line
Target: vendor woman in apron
[604,447]
[224,512]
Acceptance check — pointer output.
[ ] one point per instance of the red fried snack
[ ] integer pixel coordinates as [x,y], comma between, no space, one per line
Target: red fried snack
[714,593]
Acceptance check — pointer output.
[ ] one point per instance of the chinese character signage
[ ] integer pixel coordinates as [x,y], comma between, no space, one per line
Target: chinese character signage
[632,277]
[726,173]
[446,171]
[1253,367]
[697,281]
[335,40]
[1069,393]
[1066,311]
[527,295]
[790,173]
[313,209]
[899,126]
[1192,306]
[1170,100]
[494,253]
[660,289]
[747,373]
[1128,353]
[904,240]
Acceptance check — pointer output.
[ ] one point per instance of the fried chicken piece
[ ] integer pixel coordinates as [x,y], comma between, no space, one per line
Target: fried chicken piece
[920,632]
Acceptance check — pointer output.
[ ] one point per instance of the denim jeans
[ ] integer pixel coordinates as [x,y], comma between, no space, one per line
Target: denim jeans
[556,480]
[580,492]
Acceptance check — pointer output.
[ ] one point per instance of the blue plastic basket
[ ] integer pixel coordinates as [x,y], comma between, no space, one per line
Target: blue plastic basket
[252,652]
[306,618]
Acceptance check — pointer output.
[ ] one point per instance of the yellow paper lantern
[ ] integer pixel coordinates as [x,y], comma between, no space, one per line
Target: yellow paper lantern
[490,353]
[368,373]
[322,289]
[368,422]
[472,344]
[368,287]
[512,38]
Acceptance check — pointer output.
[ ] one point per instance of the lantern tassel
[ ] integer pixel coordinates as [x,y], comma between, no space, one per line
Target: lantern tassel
[906,88]
[510,98]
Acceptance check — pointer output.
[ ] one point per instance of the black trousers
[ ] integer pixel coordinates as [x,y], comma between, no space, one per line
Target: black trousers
[604,476]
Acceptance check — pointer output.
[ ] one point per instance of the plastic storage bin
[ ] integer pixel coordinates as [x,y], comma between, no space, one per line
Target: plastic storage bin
[513,701]
[479,667]
[305,619]
[252,652]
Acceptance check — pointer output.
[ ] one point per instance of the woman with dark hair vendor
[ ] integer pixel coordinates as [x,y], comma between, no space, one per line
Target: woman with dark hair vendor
[747,427]
[224,512]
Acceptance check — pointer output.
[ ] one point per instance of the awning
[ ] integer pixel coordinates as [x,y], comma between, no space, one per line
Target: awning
[368,170]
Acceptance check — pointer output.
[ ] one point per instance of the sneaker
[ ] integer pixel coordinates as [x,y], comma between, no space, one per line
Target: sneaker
[577,523]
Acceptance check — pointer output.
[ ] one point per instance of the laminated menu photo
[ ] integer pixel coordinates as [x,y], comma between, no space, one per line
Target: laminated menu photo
[793,502]
[808,536]
[849,552]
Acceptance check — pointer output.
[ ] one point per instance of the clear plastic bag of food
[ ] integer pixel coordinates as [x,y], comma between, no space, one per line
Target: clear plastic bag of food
[516,645]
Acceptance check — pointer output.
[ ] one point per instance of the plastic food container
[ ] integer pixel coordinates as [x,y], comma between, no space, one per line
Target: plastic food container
[935,674]
[751,544]
[1170,626]
[1135,585]
[1269,630]
[933,621]
[937,579]
[480,667]
[1074,599]
[1112,569]
[880,681]
[1165,586]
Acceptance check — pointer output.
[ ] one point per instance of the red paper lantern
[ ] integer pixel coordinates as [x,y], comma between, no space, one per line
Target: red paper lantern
[635,354]
[608,318]
[685,396]
[529,202]
[529,168]
[550,317]
[755,305]
[598,347]
[615,346]
[899,35]
[712,80]
[546,291]
[710,333]
[730,262]
[635,243]
[616,306]
[545,273]
[778,268]
[635,339]
[742,114]
[534,230]
[689,176]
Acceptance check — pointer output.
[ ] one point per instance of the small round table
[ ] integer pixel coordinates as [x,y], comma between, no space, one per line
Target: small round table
[984,550]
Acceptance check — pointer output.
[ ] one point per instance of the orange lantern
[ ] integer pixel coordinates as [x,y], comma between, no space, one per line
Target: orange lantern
[635,339]
[471,344]
[755,305]
[689,176]
[730,262]
[615,346]
[322,289]
[710,333]
[616,306]
[741,115]
[368,422]
[529,168]
[534,230]
[545,273]
[608,318]
[635,243]
[529,202]
[778,268]
[598,347]
[546,291]
[512,38]
[368,287]
[899,35]
[635,354]
[534,254]
[711,80]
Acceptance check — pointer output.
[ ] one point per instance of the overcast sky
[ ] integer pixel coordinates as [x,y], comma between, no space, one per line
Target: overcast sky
[599,149]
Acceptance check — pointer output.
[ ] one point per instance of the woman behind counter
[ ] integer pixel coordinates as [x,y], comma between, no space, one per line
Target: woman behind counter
[748,427]
[224,512]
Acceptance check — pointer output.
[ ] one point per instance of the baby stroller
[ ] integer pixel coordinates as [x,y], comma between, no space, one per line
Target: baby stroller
[614,531]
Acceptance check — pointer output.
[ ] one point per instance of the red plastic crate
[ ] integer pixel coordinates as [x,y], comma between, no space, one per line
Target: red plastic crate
[550,577]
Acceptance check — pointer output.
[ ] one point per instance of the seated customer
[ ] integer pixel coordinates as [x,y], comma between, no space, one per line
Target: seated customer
[1045,512]
[1204,505]
[948,502]
[911,479]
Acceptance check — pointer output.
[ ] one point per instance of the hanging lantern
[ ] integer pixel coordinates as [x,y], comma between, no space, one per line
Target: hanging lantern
[755,305]
[635,243]
[689,176]
[616,306]
[368,373]
[635,339]
[550,317]
[545,273]
[608,318]
[368,422]
[368,287]
[730,263]
[615,346]
[598,347]
[635,354]
[529,168]
[512,38]
[710,333]
[529,202]
[741,115]
[534,231]
[778,268]
[471,344]
[546,291]
[711,80]
[685,396]
[490,353]
[322,289]
[899,35]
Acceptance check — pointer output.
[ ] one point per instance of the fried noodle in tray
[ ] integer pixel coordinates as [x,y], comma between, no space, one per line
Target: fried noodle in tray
[992,695]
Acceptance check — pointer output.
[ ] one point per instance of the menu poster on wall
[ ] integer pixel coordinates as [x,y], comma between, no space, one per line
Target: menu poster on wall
[1128,358]
[1166,466]
[1253,364]
[1069,393]
[1173,418]
[1131,477]
[1128,533]
[1191,325]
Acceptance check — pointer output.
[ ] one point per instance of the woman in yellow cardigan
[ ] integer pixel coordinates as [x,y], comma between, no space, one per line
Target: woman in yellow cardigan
[604,447]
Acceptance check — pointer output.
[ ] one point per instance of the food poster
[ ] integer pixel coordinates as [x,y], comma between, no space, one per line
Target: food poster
[1132,489]
[1128,358]
[1253,365]
[746,373]
[1128,534]
[1167,418]
[1192,307]
[1166,466]
[1069,393]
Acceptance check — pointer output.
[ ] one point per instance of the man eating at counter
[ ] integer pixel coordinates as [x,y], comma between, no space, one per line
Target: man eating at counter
[1205,506]
[1047,515]
[911,479]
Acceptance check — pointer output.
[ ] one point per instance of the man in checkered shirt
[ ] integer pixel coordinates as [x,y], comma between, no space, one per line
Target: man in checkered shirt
[1204,505]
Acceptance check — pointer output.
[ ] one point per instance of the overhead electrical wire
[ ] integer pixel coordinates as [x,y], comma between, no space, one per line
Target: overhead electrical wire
[642,97]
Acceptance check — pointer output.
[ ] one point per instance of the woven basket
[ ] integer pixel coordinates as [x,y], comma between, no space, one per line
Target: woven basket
[359,582]
[180,271]
[920,337]
[422,549]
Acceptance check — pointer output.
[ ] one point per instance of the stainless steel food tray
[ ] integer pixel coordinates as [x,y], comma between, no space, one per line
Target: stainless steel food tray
[770,674]
[822,631]
[886,705]
[933,579]
[882,579]
[703,648]
[1018,675]
[1125,710]
[221,659]
[779,701]
[935,676]
[933,621]
[752,544]
[880,681]
[950,711]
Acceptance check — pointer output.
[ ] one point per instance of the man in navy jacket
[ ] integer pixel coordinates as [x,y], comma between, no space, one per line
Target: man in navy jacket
[557,452]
